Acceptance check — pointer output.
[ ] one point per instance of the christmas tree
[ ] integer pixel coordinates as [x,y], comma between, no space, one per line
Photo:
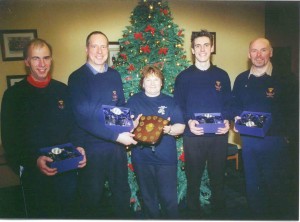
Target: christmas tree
[154,39]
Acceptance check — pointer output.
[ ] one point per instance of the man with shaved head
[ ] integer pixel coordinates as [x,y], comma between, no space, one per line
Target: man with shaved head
[260,89]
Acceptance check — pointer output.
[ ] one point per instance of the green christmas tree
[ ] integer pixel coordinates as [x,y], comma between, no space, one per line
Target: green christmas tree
[153,38]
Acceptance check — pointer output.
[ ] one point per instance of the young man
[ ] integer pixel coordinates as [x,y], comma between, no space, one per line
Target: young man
[261,89]
[92,85]
[203,88]
[36,113]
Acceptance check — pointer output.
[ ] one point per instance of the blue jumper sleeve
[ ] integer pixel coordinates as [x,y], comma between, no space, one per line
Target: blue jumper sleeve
[86,111]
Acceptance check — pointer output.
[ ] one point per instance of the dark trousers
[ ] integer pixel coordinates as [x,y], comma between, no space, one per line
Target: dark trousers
[158,186]
[198,151]
[105,162]
[49,197]
[265,164]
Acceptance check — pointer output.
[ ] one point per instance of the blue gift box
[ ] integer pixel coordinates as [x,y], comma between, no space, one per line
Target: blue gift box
[117,118]
[68,159]
[254,123]
[210,122]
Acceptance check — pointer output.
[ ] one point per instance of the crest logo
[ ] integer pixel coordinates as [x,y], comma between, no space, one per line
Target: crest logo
[270,93]
[218,86]
[161,110]
[114,96]
[60,104]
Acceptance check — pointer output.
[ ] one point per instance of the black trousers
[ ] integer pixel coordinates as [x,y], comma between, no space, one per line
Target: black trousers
[49,197]
[105,162]
[199,150]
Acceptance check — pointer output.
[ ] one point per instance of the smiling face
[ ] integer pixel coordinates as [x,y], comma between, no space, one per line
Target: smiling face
[202,49]
[260,52]
[152,85]
[97,51]
[39,62]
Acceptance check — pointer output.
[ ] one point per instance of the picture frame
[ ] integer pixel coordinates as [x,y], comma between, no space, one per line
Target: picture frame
[214,34]
[13,79]
[14,41]
[114,49]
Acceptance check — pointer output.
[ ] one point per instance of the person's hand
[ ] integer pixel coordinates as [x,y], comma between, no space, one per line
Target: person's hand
[236,119]
[224,129]
[82,163]
[136,121]
[42,165]
[126,138]
[167,129]
[194,129]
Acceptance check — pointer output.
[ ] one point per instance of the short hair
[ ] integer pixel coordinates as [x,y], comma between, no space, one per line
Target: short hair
[94,33]
[202,33]
[151,70]
[263,39]
[36,43]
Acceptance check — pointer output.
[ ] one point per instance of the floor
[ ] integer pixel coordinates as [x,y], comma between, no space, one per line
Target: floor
[11,201]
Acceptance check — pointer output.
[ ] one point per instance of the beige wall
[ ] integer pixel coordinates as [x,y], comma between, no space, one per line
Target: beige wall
[65,24]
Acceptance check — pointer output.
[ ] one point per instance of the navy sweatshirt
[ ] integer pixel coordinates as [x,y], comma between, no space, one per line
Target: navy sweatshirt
[163,106]
[199,91]
[88,93]
[33,118]
[262,94]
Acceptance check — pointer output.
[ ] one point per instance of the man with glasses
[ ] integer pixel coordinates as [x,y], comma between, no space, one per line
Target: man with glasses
[36,113]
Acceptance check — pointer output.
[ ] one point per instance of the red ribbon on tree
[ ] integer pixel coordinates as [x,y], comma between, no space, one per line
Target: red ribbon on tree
[181,157]
[163,51]
[164,11]
[151,29]
[180,32]
[130,166]
[124,56]
[131,67]
[145,49]
[138,35]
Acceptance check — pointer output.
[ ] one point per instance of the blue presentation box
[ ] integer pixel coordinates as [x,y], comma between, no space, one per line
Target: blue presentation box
[210,122]
[254,123]
[65,157]
[117,118]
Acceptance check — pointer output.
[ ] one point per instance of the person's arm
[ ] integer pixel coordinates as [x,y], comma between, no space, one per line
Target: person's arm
[9,131]
[87,113]
[175,129]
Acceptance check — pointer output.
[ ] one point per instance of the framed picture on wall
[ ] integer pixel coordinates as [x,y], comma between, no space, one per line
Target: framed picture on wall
[13,79]
[13,42]
[114,49]
[214,34]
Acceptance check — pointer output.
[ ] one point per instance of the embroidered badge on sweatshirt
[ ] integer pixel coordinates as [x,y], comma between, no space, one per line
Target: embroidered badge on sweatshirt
[114,96]
[218,86]
[161,110]
[60,104]
[270,93]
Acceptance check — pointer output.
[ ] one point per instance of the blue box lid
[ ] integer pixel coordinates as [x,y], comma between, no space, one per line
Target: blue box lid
[215,121]
[63,165]
[117,118]
[251,128]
